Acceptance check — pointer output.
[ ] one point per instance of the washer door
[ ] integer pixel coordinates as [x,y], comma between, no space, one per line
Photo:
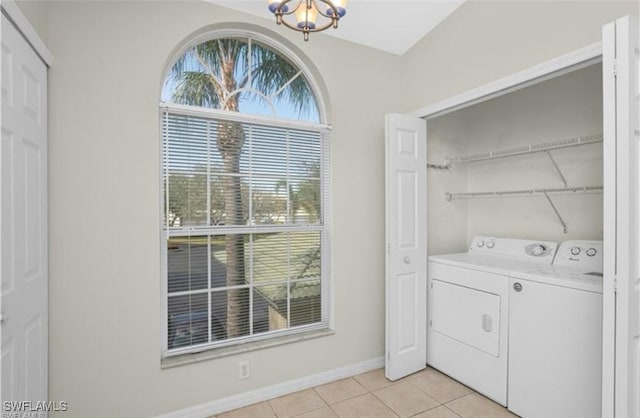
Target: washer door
[467,315]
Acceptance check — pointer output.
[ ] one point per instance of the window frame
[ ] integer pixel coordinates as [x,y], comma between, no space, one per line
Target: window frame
[325,227]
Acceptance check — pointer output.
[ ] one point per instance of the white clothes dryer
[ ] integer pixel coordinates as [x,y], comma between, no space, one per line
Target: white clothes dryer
[468,306]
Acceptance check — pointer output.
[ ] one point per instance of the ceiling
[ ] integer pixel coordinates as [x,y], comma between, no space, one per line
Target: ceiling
[391,26]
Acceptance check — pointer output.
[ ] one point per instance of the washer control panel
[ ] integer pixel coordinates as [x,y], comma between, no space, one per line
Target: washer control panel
[584,255]
[539,251]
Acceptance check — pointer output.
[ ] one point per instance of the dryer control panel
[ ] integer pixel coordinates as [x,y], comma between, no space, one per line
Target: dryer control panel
[538,251]
[583,255]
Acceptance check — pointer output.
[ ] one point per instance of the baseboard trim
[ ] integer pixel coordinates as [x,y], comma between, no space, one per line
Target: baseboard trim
[259,395]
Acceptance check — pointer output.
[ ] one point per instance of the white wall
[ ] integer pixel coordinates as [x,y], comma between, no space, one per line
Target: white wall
[104,190]
[565,107]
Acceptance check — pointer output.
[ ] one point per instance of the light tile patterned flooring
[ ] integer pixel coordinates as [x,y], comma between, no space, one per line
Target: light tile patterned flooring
[426,394]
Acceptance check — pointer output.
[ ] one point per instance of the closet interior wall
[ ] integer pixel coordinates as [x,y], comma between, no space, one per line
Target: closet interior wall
[563,107]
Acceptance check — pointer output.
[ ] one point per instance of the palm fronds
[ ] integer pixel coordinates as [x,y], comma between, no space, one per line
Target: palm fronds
[208,74]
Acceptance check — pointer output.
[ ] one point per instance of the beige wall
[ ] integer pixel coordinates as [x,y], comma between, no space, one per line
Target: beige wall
[109,57]
[486,40]
[447,222]
[36,13]
[105,332]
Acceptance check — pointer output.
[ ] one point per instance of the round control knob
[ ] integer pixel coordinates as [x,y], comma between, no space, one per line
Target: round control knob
[591,252]
[480,244]
[538,250]
[491,244]
[575,251]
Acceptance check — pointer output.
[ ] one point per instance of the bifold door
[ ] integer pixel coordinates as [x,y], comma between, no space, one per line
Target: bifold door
[406,240]
[621,359]
[23,242]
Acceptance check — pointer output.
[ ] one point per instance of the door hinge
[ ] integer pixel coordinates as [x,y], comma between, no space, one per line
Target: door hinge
[389,248]
[430,323]
[615,68]
[615,284]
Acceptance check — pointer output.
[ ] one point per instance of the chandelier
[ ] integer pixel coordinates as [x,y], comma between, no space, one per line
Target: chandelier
[303,15]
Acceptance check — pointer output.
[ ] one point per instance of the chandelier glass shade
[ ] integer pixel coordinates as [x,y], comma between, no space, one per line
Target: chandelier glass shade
[308,16]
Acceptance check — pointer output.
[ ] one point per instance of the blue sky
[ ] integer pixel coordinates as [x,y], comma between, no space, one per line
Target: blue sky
[250,103]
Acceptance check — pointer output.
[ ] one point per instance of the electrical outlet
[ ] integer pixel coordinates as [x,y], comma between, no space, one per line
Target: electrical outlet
[243,370]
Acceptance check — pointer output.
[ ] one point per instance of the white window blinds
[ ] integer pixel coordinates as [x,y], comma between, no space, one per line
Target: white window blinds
[245,222]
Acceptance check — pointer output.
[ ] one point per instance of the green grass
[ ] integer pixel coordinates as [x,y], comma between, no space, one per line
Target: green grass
[270,255]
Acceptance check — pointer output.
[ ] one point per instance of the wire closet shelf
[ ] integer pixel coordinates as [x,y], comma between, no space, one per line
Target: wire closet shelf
[528,149]
[545,147]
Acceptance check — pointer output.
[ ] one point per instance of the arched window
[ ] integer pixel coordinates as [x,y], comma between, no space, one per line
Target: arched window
[240,74]
[245,183]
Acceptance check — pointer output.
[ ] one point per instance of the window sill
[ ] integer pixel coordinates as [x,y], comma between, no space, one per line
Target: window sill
[215,353]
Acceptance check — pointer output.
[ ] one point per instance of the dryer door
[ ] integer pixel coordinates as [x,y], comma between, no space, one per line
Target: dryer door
[468,315]
[468,327]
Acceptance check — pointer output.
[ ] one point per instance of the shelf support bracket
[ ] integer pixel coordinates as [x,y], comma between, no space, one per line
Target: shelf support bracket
[439,166]
[564,225]
[564,180]
[444,166]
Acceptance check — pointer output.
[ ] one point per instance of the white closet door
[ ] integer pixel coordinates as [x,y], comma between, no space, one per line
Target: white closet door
[406,239]
[621,66]
[23,241]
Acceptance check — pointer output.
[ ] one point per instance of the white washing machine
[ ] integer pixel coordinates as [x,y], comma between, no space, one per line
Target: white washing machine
[555,335]
[468,302]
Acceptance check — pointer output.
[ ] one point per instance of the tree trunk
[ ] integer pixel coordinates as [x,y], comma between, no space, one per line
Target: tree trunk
[230,141]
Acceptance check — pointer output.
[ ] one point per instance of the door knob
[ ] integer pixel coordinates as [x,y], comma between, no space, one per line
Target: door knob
[517,287]
[407,260]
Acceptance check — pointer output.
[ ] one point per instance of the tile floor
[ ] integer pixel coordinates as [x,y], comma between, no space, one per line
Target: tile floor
[426,394]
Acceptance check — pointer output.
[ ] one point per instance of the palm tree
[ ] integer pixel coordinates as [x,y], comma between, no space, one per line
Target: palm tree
[219,74]
[306,196]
